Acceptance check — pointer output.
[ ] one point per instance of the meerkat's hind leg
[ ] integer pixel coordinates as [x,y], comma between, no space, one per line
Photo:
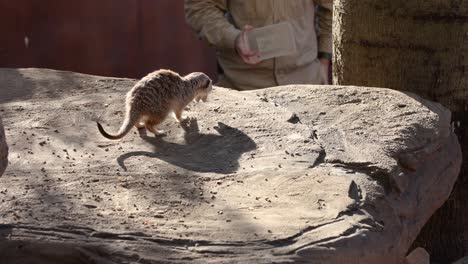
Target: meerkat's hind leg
[140,125]
[151,125]
[155,131]
[141,122]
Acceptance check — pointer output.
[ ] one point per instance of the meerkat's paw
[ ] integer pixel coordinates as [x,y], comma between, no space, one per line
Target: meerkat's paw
[179,117]
[183,119]
[140,125]
[159,132]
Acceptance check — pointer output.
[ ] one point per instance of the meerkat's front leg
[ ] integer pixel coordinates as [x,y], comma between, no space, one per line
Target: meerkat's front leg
[159,132]
[179,115]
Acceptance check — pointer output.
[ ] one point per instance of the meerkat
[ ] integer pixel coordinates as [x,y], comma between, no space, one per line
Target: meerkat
[156,95]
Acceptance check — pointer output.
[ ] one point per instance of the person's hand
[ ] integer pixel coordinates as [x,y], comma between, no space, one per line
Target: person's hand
[325,65]
[242,47]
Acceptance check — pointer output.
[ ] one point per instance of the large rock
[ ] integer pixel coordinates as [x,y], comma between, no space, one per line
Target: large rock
[3,150]
[317,174]
[462,261]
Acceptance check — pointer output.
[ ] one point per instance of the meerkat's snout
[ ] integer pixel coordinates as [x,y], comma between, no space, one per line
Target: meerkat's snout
[203,94]
[202,97]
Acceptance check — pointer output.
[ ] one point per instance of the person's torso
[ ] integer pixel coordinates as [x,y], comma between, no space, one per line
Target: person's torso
[280,70]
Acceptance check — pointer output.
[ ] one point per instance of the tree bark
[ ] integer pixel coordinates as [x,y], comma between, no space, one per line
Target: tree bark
[419,46]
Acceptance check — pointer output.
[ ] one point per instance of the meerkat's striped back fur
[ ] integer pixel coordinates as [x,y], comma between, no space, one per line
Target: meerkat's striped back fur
[156,95]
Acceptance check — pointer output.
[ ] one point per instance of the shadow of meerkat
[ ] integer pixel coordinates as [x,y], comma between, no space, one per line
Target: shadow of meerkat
[202,152]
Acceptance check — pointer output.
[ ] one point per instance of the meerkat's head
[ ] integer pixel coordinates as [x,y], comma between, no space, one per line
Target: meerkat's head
[202,84]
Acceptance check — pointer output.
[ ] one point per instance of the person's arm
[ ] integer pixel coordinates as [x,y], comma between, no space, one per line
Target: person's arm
[325,18]
[207,18]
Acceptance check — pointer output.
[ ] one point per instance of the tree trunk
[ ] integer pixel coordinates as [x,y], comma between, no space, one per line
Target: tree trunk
[419,46]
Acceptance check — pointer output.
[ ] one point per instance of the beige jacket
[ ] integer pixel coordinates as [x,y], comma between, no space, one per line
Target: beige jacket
[210,20]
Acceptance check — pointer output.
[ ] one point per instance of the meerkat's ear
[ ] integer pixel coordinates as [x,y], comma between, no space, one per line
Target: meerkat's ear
[209,83]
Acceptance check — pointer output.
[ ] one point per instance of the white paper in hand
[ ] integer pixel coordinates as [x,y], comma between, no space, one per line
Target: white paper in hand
[272,41]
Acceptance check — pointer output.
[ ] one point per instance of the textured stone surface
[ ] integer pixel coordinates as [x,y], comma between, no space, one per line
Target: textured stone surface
[462,261]
[418,256]
[3,150]
[318,174]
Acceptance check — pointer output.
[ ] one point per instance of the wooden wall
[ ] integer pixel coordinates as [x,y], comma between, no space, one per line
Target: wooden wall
[122,38]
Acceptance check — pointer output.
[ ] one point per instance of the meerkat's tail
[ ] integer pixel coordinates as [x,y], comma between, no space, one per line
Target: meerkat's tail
[130,119]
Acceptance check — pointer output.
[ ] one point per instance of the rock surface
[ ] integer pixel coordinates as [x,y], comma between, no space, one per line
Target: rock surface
[418,256]
[462,261]
[316,174]
[3,149]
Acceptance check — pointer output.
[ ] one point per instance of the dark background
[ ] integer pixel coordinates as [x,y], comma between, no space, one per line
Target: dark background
[103,37]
